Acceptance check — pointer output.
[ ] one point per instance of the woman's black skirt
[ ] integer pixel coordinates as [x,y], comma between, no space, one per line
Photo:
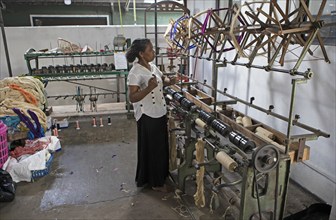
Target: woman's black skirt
[153,152]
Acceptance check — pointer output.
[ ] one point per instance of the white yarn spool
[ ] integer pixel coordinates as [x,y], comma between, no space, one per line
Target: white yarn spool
[200,123]
[239,120]
[262,136]
[247,121]
[226,161]
[265,132]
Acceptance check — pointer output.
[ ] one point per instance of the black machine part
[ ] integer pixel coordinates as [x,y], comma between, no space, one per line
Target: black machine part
[225,130]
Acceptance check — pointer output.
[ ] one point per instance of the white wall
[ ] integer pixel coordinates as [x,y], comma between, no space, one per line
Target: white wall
[20,39]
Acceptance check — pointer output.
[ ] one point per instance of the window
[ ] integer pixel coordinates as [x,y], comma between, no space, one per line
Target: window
[328,31]
[64,20]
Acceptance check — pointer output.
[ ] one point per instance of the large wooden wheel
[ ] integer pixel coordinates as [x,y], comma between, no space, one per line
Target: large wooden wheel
[254,29]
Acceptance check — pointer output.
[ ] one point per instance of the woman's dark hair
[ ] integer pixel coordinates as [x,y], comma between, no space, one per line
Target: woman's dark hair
[138,45]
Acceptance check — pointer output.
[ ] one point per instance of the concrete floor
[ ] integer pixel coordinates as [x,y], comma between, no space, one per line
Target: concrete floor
[92,177]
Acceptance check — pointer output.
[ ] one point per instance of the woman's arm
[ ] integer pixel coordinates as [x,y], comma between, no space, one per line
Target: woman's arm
[136,94]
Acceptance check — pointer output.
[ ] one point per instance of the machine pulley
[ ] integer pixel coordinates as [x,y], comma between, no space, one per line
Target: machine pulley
[265,158]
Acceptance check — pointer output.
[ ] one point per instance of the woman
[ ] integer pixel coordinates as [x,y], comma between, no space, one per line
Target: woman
[145,87]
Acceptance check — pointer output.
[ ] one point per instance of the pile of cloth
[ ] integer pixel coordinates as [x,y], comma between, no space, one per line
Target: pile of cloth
[22,101]
[26,95]
[23,160]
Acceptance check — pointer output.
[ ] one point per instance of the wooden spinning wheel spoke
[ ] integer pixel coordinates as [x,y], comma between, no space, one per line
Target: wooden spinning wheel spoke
[281,47]
[224,47]
[299,40]
[283,15]
[306,10]
[284,49]
[320,40]
[259,28]
[278,24]
[320,12]
[268,16]
[258,45]
[262,22]
[205,30]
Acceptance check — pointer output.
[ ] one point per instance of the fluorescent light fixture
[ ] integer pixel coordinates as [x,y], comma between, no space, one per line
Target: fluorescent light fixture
[67,2]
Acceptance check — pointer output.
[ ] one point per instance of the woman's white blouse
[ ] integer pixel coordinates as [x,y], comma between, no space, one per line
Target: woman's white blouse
[153,104]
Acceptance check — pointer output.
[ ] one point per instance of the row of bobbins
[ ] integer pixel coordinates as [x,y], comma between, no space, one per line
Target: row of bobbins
[56,128]
[94,122]
[74,68]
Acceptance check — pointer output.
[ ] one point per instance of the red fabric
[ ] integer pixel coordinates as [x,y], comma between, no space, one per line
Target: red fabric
[19,151]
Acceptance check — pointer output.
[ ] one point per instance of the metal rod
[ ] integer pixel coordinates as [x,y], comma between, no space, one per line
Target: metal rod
[290,115]
[267,68]
[156,37]
[214,76]
[76,83]
[307,74]
[257,193]
[268,112]
[68,78]
[276,190]
[306,48]
[66,96]
[2,24]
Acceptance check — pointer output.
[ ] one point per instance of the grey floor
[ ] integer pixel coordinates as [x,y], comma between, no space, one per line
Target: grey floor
[92,177]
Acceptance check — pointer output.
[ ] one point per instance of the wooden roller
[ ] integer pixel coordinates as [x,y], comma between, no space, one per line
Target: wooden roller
[267,133]
[262,136]
[226,161]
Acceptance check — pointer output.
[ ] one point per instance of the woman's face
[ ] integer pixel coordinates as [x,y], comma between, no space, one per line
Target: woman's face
[149,54]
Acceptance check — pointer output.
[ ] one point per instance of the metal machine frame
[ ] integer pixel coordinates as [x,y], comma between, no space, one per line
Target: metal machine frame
[263,169]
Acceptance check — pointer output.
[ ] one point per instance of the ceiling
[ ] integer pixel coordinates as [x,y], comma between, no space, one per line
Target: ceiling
[81,1]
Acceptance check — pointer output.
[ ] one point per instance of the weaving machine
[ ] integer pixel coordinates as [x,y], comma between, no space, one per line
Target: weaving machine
[246,162]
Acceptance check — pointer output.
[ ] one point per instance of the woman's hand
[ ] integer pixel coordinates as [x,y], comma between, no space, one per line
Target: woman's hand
[152,83]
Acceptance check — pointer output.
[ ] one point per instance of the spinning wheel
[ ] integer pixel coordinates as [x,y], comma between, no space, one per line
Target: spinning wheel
[260,28]
[266,158]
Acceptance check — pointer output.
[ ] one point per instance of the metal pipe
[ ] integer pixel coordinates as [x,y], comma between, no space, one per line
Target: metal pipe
[306,48]
[214,78]
[66,96]
[268,112]
[291,108]
[257,193]
[112,13]
[307,74]
[156,33]
[82,78]
[2,24]
[96,87]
